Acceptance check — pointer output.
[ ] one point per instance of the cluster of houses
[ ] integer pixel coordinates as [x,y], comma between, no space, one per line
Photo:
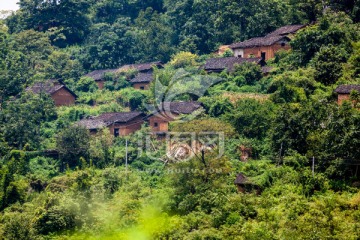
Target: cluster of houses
[141,81]
[126,123]
[255,50]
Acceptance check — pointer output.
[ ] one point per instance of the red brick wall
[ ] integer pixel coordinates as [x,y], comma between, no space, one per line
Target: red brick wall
[100,84]
[163,124]
[248,52]
[269,50]
[139,85]
[63,98]
[343,97]
[128,128]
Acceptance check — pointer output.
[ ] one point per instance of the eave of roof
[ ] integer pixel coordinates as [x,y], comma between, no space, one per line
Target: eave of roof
[270,38]
[346,89]
[107,119]
[259,41]
[176,108]
[219,64]
[49,87]
[99,75]
[143,78]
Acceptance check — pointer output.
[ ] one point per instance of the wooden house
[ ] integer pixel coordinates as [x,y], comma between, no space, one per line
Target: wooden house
[119,123]
[244,185]
[217,65]
[99,76]
[169,111]
[343,92]
[58,91]
[142,81]
[266,47]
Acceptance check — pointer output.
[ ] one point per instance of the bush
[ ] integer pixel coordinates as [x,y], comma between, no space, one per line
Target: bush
[183,59]
[73,143]
[247,74]
[86,84]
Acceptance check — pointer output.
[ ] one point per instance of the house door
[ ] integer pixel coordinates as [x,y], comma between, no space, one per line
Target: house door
[116,132]
[263,56]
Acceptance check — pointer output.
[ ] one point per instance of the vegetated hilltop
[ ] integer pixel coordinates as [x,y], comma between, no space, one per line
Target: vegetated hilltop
[301,181]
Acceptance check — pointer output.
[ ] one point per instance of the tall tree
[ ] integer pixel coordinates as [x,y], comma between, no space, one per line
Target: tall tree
[21,119]
[72,144]
[69,17]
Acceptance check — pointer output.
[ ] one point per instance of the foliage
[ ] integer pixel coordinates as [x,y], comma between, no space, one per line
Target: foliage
[335,30]
[216,107]
[205,125]
[293,86]
[100,149]
[108,46]
[183,59]
[72,144]
[247,74]
[67,17]
[86,84]
[327,63]
[22,119]
[251,118]
[59,182]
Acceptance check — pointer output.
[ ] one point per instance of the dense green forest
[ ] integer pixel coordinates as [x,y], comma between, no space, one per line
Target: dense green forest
[288,118]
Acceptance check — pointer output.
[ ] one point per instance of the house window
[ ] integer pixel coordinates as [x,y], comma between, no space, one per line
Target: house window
[239,56]
[283,44]
[116,132]
[142,88]
[156,124]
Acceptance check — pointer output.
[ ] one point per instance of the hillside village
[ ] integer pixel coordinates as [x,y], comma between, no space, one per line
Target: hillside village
[169,119]
[255,50]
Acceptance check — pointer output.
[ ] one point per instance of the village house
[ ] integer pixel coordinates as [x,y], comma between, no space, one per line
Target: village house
[217,65]
[168,112]
[343,92]
[244,185]
[142,81]
[119,123]
[266,47]
[99,76]
[58,91]
[142,67]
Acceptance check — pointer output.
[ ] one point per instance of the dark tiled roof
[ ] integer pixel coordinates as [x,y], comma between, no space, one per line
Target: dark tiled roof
[285,30]
[107,119]
[183,107]
[92,123]
[270,39]
[98,75]
[143,78]
[241,179]
[260,41]
[219,64]
[346,89]
[49,87]
[142,67]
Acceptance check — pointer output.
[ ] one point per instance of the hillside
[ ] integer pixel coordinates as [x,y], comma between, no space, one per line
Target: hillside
[169,119]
